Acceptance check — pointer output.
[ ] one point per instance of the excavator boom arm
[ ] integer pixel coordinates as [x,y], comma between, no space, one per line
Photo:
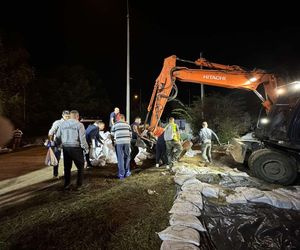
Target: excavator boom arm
[221,76]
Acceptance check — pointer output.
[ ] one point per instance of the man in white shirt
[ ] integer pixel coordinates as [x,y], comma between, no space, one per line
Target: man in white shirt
[206,135]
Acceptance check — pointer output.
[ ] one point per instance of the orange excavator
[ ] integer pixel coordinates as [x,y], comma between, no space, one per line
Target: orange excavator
[276,155]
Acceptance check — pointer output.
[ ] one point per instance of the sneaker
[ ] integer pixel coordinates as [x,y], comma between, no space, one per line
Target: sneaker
[55,177]
[157,165]
[167,167]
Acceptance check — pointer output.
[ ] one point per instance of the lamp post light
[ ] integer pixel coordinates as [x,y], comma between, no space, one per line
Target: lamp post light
[139,97]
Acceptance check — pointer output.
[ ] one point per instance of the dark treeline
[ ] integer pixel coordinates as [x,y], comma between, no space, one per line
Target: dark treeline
[32,99]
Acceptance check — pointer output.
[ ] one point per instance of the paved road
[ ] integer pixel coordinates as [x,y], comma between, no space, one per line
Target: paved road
[23,173]
[22,162]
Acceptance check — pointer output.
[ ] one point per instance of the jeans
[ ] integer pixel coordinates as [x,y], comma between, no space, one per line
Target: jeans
[73,154]
[206,151]
[134,151]
[174,149]
[57,153]
[160,151]
[123,156]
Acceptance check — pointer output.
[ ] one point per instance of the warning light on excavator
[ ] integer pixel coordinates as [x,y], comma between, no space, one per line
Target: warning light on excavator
[253,79]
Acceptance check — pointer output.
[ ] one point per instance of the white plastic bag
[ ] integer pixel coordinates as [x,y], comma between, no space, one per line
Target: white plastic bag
[50,159]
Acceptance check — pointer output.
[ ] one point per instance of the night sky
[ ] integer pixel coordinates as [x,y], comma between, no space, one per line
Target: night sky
[93,33]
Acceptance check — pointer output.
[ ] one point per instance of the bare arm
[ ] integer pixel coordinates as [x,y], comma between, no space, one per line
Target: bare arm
[215,135]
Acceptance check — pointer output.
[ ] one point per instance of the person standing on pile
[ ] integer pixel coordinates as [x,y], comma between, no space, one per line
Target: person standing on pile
[114,117]
[52,136]
[93,138]
[206,135]
[71,135]
[172,138]
[121,133]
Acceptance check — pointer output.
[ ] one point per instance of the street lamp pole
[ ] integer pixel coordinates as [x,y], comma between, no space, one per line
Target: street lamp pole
[128,71]
[202,93]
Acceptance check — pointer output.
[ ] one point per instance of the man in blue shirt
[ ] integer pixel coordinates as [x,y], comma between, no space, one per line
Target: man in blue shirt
[121,132]
[93,138]
[114,117]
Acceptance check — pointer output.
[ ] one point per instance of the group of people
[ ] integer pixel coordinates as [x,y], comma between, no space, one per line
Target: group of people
[69,135]
[169,144]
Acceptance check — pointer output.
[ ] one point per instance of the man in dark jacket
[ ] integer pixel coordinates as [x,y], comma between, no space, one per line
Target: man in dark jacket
[93,138]
[135,135]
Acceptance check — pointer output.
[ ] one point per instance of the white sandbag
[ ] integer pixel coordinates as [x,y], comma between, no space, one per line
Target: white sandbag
[250,193]
[181,178]
[209,171]
[279,200]
[254,195]
[292,194]
[186,220]
[180,207]
[181,169]
[98,162]
[210,191]
[111,156]
[288,192]
[236,198]
[141,156]
[192,181]
[193,197]
[180,233]
[236,172]
[192,153]
[192,186]
[177,245]
[262,199]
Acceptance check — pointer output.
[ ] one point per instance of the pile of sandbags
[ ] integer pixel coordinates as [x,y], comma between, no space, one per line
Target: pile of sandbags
[183,232]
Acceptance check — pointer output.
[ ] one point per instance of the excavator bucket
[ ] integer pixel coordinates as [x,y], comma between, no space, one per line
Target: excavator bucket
[237,149]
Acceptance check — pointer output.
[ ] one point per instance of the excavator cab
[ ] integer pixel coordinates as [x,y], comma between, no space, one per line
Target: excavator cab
[278,159]
[282,125]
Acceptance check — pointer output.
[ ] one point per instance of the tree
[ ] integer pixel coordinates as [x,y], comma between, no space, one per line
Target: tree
[15,75]
[224,114]
[66,87]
